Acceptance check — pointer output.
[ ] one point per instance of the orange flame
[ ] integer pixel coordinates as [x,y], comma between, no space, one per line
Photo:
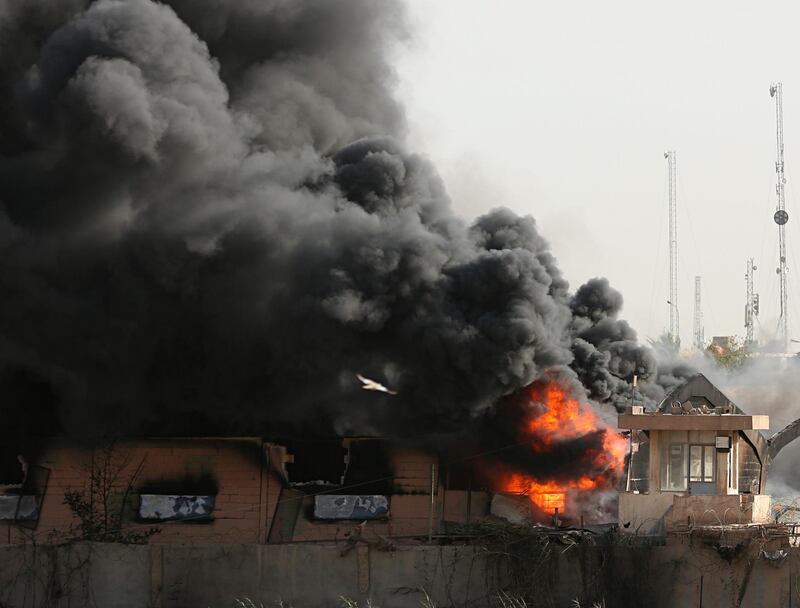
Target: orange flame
[562,417]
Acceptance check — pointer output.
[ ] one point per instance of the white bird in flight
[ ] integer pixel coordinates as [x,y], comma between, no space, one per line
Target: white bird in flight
[371,385]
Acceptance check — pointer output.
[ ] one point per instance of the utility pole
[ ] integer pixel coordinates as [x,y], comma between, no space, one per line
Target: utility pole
[674,322]
[751,304]
[699,331]
[781,217]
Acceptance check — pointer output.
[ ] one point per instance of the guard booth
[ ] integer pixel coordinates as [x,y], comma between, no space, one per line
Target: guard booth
[697,460]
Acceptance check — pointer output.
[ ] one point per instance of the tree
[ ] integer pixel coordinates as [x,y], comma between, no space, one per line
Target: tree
[100,508]
[665,345]
[729,352]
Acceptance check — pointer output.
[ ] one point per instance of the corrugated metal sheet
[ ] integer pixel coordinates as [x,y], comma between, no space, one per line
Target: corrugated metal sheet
[18,508]
[162,507]
[331,506]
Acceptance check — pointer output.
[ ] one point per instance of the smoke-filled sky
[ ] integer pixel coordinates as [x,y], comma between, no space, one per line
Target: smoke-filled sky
[211,219]
[563,110]
[772,387]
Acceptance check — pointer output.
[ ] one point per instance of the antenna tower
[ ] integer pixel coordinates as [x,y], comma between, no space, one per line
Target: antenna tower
[699,331]
[674,323]
[781,217]
[751,305]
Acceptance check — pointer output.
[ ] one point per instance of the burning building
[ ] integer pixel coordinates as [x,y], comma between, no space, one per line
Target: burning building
[566,453]
[209,224]
[253,490]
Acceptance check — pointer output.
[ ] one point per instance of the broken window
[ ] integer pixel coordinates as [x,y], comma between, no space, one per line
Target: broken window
[185,499]
[350,478]
[357,466]
[368,470]
[13,468]
[367,480]
[18,508]
[22,487]
[315,462]
[184,508]
[348,506]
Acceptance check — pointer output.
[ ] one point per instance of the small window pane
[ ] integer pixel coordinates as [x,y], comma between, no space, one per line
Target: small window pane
[675,477]
[733,469]
[695,463]
[708,465]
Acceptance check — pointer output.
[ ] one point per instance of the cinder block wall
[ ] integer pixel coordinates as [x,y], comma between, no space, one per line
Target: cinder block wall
[689,573]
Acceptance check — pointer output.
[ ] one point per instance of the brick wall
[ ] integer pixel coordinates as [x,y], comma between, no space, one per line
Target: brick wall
[749,469]
[248,494]
[247,491]
[67,466]
[244,504]
[409,508]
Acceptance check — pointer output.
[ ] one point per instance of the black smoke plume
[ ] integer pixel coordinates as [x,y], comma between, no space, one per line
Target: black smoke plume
[208,224]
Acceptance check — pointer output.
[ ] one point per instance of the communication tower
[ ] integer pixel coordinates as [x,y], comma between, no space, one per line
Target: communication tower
[751,304]
[699,331]
[674,321]
[781,217]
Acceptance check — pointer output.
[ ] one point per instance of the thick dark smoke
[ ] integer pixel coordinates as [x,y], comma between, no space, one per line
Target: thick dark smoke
[607,354]
[207,224]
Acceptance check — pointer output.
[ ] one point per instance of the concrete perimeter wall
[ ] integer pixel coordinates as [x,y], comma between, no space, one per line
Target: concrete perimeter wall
[314,575]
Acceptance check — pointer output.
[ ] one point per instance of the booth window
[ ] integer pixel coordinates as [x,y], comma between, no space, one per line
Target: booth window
[701,463]
[733,468]
[675,478]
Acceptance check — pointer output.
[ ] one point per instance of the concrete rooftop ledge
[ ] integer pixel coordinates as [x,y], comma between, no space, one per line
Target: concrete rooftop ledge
[685,422]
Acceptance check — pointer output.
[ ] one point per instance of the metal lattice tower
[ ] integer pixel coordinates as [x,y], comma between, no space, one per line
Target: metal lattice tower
[699,330]
[674,322]
[751,305]
[781,217]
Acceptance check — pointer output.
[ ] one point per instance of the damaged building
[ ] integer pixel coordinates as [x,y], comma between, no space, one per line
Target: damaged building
[241,490]
[210,517]
[698,460]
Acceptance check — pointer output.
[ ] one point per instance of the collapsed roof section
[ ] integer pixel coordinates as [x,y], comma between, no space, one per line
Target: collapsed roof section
[698,391]
[360,464]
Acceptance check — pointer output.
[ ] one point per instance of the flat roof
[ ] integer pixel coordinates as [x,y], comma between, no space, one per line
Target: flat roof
[688,422]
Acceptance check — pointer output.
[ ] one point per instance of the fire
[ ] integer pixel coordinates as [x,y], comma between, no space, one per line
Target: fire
[555,418]
[562,417]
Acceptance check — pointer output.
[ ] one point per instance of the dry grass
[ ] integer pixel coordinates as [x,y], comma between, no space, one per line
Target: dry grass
[501,600]
[600,604]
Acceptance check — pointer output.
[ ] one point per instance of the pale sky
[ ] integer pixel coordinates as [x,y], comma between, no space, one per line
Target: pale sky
[563,110]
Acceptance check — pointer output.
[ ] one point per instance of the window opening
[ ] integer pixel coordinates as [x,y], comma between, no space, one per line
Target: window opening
[676,467]
[733,468]
[701,463]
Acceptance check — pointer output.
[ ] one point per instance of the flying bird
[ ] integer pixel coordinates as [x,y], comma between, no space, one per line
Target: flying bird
[371,385]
